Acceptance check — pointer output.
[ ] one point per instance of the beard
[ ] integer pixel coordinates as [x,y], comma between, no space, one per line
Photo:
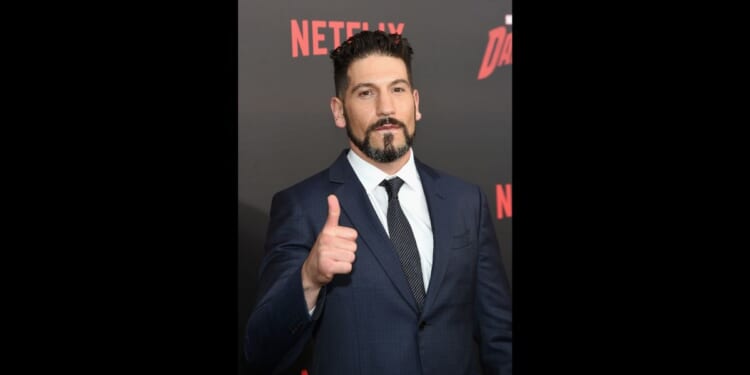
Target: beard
[389,152]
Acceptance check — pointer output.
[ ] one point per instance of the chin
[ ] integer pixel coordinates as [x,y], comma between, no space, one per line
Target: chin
[394,145]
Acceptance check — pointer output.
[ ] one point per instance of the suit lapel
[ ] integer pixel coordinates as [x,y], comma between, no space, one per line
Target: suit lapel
[355,204]
[440,216]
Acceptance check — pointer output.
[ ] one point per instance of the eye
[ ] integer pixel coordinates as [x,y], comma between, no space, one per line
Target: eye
[365,93]
[399,89]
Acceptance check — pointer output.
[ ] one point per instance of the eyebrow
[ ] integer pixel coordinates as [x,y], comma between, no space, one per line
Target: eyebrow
[368,84]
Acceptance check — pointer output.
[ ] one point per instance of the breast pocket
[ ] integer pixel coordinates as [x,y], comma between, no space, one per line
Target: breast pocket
[461,240]
[460,271]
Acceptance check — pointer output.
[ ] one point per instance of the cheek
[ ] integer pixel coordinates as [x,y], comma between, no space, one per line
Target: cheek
[408,107]
[358,116]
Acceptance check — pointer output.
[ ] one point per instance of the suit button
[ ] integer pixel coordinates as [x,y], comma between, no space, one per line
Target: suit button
[421,325]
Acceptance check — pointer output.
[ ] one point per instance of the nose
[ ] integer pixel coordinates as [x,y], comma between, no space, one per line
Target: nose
[385,105]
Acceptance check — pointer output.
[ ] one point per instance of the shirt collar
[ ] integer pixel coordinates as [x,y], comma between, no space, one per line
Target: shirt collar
[371,177]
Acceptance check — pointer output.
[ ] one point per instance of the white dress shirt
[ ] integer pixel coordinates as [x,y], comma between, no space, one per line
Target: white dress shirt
[412,200]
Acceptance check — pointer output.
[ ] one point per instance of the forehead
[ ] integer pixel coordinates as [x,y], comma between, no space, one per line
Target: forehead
[376,69]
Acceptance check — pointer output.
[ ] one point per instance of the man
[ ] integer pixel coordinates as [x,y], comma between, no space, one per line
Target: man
[390,266]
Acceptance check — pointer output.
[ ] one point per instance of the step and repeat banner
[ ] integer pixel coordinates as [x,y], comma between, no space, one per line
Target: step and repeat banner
[461,66]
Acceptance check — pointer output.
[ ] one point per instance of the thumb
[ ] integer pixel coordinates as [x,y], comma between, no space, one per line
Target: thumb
[334,211]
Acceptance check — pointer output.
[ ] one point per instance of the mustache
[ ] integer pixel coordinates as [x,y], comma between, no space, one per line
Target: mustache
[386,120]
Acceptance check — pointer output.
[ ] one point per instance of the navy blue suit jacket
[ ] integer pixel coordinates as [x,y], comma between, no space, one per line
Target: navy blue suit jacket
[367,322]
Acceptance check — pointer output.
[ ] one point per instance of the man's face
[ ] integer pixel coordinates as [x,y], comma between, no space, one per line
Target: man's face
[379,108]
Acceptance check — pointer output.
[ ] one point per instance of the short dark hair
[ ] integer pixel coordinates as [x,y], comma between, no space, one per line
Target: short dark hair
[363,44]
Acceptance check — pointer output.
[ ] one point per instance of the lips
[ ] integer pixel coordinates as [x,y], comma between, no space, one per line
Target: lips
[388,127]
[387,123]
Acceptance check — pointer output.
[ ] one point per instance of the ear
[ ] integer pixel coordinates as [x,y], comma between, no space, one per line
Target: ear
[337,109]
[417,114]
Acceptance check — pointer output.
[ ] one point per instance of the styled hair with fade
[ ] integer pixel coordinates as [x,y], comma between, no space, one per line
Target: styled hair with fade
[363,44]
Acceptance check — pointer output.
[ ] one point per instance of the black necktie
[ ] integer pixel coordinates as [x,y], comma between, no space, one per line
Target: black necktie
[403,240]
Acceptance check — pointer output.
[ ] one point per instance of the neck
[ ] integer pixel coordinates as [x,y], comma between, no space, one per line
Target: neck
[388,168]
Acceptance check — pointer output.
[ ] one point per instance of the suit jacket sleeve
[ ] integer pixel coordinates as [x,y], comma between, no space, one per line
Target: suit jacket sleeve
[493,302]
[280,324]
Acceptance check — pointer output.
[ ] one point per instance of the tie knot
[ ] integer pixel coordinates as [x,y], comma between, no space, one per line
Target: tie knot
[392,187]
